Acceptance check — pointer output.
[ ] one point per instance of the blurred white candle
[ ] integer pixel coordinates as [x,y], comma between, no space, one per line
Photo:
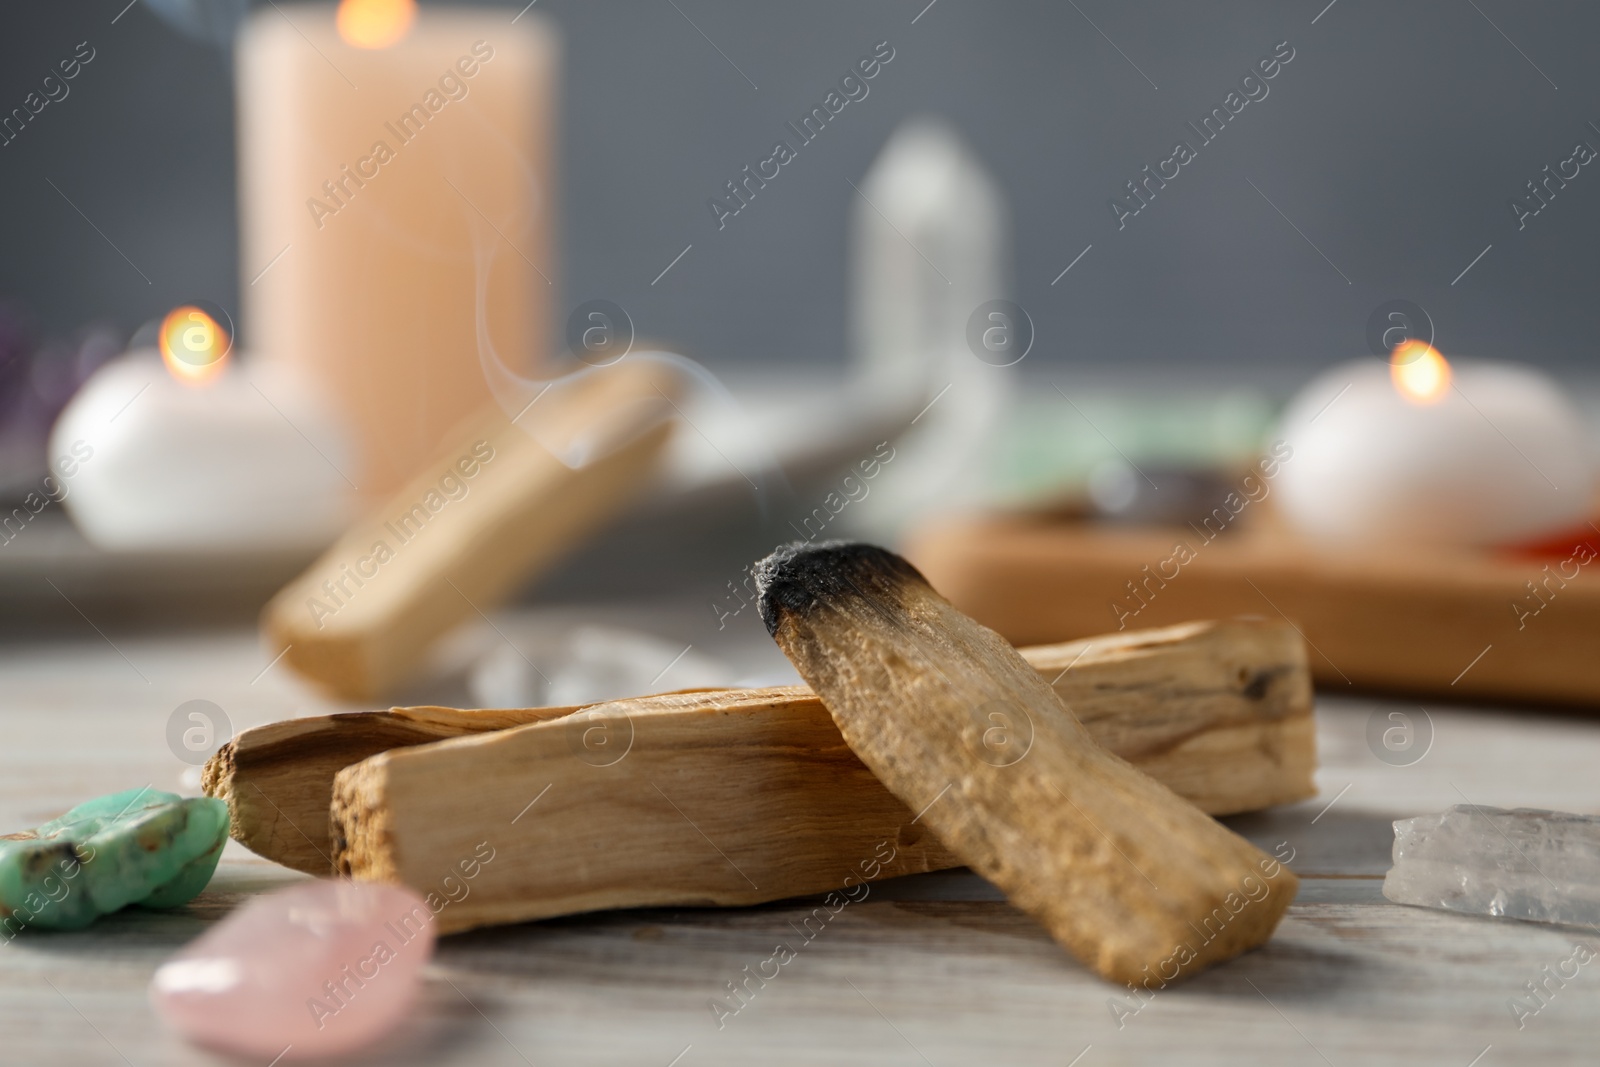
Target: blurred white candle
[392,172]
[231,461]
[1420,452]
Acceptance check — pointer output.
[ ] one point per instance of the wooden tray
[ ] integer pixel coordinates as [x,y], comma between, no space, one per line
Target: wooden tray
[1456,623]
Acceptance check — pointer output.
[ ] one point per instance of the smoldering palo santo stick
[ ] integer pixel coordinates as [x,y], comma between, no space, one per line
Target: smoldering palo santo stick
[1218,711]
[1131,878]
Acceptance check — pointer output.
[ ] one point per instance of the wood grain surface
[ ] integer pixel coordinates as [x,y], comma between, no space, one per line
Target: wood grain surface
[934,969]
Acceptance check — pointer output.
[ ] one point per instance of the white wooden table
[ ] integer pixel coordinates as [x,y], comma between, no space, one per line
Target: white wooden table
[935,970]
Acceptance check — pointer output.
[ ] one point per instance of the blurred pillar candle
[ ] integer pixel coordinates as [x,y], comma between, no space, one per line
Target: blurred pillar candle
[396,209]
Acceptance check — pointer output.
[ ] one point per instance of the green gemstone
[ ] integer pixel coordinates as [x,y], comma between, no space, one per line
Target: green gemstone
[143,847]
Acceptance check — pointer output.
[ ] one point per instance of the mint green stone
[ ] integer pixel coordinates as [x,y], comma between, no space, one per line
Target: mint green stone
[157,850]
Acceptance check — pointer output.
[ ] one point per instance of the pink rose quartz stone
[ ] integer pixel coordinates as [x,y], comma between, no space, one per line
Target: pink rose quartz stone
[312,970]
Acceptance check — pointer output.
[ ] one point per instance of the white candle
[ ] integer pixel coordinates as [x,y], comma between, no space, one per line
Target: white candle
[245,461]
[1420,452]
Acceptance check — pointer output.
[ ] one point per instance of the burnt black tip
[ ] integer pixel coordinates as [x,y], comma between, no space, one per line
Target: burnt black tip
[802,574]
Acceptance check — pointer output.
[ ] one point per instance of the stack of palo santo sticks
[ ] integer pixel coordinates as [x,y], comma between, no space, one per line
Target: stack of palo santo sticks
[1079,778]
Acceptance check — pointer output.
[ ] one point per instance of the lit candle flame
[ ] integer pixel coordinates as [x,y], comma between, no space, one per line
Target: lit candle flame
[194,346]
[375,23]
[1419,372]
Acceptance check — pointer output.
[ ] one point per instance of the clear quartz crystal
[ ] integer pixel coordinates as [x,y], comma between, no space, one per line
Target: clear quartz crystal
[1526,863]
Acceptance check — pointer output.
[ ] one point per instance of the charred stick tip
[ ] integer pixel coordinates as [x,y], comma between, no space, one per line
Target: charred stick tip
[802,574]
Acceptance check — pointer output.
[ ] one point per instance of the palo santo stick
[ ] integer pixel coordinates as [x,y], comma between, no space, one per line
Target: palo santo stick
[277,778]
[739,797]
[488,513]
[1219,711]
[1129,877]
[729,797]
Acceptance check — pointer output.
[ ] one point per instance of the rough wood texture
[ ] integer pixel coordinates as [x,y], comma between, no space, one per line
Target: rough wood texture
[745,796]
[276,779]
[726,798]
[480,520]
[1406,620]
[1135,881]
[1220,711]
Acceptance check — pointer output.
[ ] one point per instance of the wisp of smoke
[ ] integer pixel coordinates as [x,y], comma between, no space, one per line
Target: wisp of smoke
[533,403]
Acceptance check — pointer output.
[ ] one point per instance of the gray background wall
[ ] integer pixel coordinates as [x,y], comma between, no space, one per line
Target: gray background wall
[1393,141]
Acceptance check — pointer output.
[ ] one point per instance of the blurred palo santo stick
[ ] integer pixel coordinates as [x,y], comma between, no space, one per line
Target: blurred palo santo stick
[502,502]
[1219,711]
[1133,880]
